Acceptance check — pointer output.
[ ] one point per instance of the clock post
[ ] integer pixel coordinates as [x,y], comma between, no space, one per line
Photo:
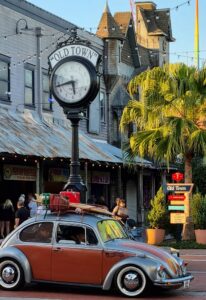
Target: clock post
[74,83]
[75,181]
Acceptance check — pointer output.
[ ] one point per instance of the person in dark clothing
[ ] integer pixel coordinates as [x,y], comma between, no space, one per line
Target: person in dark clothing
[22,213]
[7,217]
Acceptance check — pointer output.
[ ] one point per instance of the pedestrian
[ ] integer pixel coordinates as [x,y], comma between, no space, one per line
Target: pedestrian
[120,212]
[7,217]
[32,205]
[22,213]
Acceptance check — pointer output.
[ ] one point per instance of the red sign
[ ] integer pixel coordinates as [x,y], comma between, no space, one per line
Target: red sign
[176,197]
[177,176]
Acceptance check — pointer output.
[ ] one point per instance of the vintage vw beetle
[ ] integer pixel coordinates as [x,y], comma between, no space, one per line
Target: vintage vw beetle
[47,248]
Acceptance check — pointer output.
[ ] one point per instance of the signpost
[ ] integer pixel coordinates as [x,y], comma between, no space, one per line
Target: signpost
[179,202]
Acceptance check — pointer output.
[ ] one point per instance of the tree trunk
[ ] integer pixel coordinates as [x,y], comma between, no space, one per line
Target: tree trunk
[188,228]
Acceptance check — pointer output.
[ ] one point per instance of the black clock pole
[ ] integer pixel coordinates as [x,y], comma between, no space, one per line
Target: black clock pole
[75,182]
[74,82]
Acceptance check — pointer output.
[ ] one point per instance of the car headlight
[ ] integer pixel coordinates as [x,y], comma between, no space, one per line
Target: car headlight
[162,273]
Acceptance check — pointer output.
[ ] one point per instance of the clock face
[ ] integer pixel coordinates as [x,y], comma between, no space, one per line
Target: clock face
[71,81]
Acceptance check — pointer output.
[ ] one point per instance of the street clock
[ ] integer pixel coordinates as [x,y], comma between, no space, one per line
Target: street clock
[74,82]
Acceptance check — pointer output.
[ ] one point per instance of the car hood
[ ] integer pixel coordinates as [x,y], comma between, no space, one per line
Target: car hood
[154,252]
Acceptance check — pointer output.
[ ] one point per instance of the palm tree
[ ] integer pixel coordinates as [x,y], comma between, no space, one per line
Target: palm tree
[170,115]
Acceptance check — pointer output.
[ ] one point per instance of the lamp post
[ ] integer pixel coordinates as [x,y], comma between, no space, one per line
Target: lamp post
[74,83]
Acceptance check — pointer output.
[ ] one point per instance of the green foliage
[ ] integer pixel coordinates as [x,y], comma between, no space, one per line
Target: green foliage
[183,245]
[199,175]
[158,216]
[170,114]
[198,211]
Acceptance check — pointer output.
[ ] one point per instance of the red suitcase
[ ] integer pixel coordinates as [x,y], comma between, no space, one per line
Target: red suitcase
[58,203]
[74,197]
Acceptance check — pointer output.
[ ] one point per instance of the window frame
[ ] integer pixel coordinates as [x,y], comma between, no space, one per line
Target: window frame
[30,68]
[6,97]
[102,107]
[49,108]
[35,226]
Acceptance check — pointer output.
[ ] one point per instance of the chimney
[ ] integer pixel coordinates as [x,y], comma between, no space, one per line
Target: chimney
[147,5]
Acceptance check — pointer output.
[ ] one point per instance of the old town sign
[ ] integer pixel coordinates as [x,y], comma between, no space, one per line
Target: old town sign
[74,79]
[179,187]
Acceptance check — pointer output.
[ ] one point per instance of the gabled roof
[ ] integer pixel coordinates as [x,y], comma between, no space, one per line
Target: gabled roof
[157,22]
[108,28]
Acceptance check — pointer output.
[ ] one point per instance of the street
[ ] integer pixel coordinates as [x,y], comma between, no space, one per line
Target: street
[196,264]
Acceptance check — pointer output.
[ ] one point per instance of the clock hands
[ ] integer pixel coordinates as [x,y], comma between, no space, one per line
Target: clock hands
[72,82]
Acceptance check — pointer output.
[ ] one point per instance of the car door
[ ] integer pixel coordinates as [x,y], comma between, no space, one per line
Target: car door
[76,262]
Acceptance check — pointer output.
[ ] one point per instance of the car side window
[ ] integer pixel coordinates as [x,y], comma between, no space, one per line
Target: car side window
[37,233]
[75,235]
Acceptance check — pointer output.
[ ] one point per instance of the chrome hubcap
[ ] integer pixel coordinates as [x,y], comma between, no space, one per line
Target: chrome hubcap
[8,274]
[131,281]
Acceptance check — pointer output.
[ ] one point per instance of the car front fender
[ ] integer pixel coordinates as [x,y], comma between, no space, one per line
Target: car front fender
[18,256]
[147,265]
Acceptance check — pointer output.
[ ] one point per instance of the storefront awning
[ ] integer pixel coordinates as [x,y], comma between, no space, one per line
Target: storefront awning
[23,134]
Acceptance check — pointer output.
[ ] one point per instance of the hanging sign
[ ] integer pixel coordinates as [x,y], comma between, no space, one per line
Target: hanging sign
[21,173]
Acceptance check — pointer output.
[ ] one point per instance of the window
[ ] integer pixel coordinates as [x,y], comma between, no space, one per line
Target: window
[102,106]
[4,78]
[29,86]
[37,233]
[75,235]
[111,229]
[46,93]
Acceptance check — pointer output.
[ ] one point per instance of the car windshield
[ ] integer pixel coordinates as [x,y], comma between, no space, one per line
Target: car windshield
[110,230]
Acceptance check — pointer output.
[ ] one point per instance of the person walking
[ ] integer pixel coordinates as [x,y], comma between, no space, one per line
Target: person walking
[22,213]
[32,205]
[7,217]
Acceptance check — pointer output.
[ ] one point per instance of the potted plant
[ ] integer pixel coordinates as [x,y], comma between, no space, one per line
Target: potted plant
[198,213]
[158,219]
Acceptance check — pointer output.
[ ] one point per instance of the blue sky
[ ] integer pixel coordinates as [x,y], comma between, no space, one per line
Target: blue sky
[87,14]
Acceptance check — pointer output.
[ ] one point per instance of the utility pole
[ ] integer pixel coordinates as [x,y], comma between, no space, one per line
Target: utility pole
[38,32]
[196,48]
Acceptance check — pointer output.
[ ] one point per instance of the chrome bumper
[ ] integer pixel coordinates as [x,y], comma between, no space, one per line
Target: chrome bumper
[174,282]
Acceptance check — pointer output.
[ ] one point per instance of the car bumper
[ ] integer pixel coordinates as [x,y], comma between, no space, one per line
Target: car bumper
[175,282]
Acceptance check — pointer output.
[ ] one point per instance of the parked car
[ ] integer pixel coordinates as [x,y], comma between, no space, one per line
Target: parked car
[88,249]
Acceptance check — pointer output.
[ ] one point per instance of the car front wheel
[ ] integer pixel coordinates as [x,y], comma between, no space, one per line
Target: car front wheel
[11,275]
[131,281]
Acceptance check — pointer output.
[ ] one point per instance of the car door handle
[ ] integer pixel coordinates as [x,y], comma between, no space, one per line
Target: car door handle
[57,249]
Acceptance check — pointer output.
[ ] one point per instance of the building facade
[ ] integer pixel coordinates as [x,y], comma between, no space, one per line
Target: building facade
[35,136]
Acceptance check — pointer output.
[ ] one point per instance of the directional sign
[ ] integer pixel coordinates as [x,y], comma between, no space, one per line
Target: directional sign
[176,207]
[179,187]
[177,218]
[176,202]
[176,197]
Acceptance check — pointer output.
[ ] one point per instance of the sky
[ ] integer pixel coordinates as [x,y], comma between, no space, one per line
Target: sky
[87,14]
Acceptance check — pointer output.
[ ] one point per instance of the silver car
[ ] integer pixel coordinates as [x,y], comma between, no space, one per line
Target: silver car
[86,249]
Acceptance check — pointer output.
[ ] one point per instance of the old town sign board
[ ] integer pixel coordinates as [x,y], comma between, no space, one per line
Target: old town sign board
[179,187]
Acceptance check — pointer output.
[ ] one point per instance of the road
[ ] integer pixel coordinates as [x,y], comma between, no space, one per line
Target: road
[196,264]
